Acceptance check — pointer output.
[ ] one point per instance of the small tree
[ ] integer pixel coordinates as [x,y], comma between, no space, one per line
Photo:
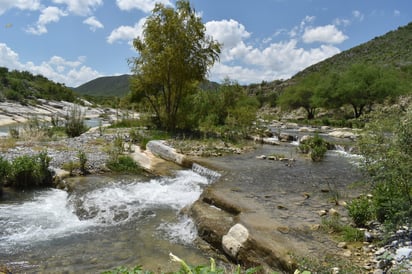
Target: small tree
[301,94]
[74,124]
[174,55]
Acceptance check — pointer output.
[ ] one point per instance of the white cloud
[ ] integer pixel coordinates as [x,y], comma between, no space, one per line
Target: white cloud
[227,32]
[342,22]
[93,23]
[19,4]
[324,34]
[127,33]
[80,7]
[358,15]
[246,62]
[143,5]
[71,73]
[48,15]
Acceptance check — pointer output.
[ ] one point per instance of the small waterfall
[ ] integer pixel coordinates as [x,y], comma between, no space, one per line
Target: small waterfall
[211,175]
[348,152]
[53,214]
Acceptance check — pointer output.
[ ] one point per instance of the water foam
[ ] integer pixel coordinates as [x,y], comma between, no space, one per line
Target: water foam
[53,213]
[45,216]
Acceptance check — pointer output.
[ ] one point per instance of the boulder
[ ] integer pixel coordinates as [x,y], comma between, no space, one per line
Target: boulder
[342,134]
[161,149]
[285,137]
[233,241]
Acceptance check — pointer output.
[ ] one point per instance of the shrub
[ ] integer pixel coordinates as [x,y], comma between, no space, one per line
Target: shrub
[30,171]
[124,164]
[82,161]
[315,146]
[388,161]
[74,125]
[4,172]
[361,211]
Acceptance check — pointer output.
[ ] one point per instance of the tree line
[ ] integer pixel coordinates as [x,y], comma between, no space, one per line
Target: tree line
[360,86]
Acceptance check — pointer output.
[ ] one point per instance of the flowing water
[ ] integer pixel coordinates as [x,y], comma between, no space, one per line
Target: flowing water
[102,224]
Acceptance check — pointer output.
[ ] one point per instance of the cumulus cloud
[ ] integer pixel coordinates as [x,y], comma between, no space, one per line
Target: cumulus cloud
[248,62]
[228,32]
[396,13]
[93,23]
[324,34]
[126,33]
[58,69]
[80,7]
[19,4]
[47,16]
[143,5]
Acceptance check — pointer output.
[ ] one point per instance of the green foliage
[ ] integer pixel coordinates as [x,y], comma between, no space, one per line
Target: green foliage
[315,146]
[227,111]
[388,161]
[4,171]
[124,163]
[361,211]
[30,171]
[344,232]
[363,85]
[174,55]
[302,94]
[74,123]
[21,85]
[82,161]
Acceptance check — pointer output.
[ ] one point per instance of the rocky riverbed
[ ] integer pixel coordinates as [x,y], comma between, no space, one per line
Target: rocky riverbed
[275,202]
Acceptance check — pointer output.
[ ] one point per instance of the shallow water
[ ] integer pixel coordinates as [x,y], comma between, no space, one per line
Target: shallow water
[104,223]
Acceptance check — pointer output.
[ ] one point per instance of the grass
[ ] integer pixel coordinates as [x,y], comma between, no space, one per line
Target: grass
[343,232]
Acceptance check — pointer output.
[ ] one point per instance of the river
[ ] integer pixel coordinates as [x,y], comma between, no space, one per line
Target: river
[105,222]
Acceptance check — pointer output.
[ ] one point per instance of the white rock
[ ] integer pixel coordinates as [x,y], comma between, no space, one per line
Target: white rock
[234,239]
[403,253]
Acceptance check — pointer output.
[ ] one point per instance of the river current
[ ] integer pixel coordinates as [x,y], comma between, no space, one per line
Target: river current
[104,223]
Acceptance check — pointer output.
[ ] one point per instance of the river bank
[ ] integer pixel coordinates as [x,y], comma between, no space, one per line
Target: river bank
[278,202]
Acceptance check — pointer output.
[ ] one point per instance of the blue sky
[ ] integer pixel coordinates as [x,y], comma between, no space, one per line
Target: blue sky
[75,41]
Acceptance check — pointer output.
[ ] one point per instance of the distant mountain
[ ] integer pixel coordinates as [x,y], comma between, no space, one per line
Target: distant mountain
[105,86]
[119,86]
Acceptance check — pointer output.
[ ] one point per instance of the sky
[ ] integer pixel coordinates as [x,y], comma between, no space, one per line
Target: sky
[75,41]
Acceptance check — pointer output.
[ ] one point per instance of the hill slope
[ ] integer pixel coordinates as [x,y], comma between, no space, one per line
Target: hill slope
[105,86]
[23,86]
[391,49]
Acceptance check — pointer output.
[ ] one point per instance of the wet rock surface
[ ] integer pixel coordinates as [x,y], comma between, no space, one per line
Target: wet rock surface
[277,202]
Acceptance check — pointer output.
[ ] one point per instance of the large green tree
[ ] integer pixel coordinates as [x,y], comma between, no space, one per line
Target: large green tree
[174,55]
[301,94]
[363,85]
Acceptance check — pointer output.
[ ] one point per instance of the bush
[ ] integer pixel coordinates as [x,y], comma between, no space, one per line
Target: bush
[30,171]
[315,146]
[124,164]
[388,161]
[4,172]
[361,211]
[74,125]
[82,161]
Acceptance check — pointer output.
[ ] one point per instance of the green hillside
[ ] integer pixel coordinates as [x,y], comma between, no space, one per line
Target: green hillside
[23,86]
[393,49]
[105,86]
